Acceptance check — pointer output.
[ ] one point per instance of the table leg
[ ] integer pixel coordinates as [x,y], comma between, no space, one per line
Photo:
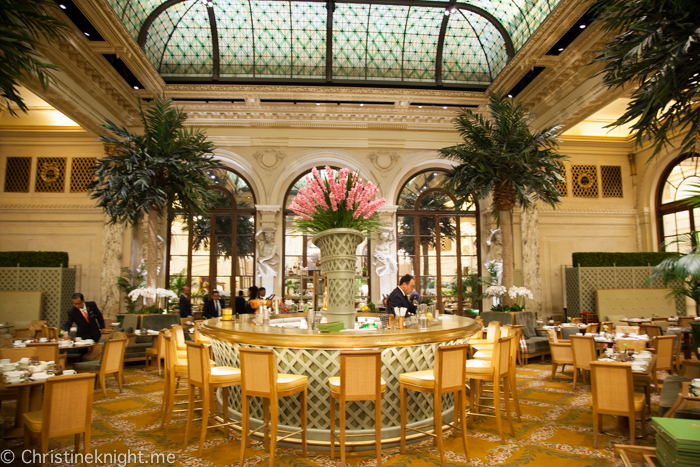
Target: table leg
[21,408]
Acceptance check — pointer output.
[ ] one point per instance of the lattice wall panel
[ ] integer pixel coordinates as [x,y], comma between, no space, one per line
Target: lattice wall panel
[611,181]
[50,175]
[81,173]
[562,186]
[581,284]
[17,174]
[584,181]
[319,365]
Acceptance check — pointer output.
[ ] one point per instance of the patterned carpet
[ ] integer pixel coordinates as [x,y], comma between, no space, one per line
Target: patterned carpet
[556,427]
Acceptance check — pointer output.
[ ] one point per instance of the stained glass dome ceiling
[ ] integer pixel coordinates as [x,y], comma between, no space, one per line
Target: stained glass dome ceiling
[403,43]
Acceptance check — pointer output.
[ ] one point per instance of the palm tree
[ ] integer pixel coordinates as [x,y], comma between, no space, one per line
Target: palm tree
[23,25]
[655,51]
[681,271]
[500,155]
[165,168]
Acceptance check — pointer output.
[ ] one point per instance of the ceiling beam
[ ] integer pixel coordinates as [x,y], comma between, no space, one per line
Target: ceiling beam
[330,7]
[214,43]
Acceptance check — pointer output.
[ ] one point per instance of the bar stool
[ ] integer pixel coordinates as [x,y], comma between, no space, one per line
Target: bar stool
[179,337]
[157,352]
[492,333]
[487,355]
[198,337]
[496,370]
[259,378]
[201,375]
[448,375]
[175,370]
[360,380]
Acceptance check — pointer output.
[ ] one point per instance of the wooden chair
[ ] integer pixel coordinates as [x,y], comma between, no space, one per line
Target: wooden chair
[575,320]
[157,352]
[67,411]
[561,353]
[111,362]
[175,371]
[609,324]
[35,328]
[507,331]
[200,374]
[17,354]
[684,321]
[592,328]
[612,386]
[259,378]
[360,380]
[48,352]
[651,330]
[198,337]
[627,330]
[448,375]
[583,353]
[633,344]
[664,346]
[497,371]
[179,337]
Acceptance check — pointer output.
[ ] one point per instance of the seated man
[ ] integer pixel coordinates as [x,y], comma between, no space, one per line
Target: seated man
[399,297]
[87,317]
[213,307]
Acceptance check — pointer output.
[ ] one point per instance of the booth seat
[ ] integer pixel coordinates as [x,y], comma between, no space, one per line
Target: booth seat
[136,349]
[532,345]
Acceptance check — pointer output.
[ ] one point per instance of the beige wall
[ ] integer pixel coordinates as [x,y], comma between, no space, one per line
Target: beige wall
[272,158]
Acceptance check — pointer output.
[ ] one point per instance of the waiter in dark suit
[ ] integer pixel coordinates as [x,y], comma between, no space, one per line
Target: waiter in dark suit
[399,297]
[185,303]
[87,317]
[213,307]
[240,303]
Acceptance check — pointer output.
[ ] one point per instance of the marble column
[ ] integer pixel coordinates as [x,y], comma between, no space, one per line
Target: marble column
[112,247]
[530,235]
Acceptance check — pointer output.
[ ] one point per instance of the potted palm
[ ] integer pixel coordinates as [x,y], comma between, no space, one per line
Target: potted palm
[338,211]
[682,270]
[154,173]
[501,156]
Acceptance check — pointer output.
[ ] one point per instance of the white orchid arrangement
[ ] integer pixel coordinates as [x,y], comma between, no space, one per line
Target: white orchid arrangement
[495,291]
[150,293]
[519,294]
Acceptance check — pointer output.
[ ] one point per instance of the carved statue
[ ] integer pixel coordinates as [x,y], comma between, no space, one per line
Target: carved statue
[268,259]
[495,244]
[385,262]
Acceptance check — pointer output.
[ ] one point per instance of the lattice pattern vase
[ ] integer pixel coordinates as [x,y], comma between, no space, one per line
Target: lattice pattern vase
[338,256]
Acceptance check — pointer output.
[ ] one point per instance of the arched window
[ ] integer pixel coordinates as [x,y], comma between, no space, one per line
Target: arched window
[301,257]
[674,216]
[438,242]
[223,256]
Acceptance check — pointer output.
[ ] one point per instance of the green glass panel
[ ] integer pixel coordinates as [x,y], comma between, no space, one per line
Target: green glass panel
[235,28]
[189,50]
[349,40]
[134,13]
[421,42]
[308,39]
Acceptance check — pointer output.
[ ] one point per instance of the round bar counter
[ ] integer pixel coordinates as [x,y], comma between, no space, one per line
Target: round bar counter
[317,355]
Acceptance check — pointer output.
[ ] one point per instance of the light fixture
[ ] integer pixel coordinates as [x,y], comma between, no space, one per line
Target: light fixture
[420,106]
[136,87]
[447,12]
[213,177]
[318,103]
[362,105]
[561,49]
[63,7]
[510,95]
[444,106]
[583,26]
[454,10]
[88,35]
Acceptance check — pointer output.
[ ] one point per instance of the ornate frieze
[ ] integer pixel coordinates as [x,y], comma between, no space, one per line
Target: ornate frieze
[269,159]
[384,161]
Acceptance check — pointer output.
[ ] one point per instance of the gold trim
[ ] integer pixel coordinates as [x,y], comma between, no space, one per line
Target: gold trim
[450,328]
[50,172]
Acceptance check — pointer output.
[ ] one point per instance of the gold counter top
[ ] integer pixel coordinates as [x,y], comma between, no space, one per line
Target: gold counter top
[446,329]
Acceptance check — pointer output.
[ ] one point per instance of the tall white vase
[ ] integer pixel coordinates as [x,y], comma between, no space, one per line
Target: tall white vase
[338,259]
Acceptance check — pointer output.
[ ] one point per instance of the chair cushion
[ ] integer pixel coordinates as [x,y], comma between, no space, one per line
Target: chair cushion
[93,365]
[503,318]
[537,345]
[151,351]
[423,379]
[639,400]
[32,420]
[483,355]
[286,382]
[334,382]
[225,374]
[479,367]
[528,320]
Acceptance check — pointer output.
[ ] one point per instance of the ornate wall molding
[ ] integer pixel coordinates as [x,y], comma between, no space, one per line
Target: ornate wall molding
[384,161]
[269,159]
[49,207]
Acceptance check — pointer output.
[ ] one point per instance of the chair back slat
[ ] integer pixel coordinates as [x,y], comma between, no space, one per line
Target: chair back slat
[198,363]
[612,386]
[552,336]
[493,331]
[583,351]
[634,344]
[16,355]
[593,327]
[651,330]
[113,355]
[178,336]
[664,346]
[627,329]
[450,368]
[258,372]
[360,374]
[502,355]
[68,404]
[46,351]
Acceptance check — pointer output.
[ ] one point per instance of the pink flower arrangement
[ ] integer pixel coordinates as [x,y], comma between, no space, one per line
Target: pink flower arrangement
[340,200]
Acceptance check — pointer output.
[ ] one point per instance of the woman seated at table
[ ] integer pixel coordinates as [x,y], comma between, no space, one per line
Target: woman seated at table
[253,302]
